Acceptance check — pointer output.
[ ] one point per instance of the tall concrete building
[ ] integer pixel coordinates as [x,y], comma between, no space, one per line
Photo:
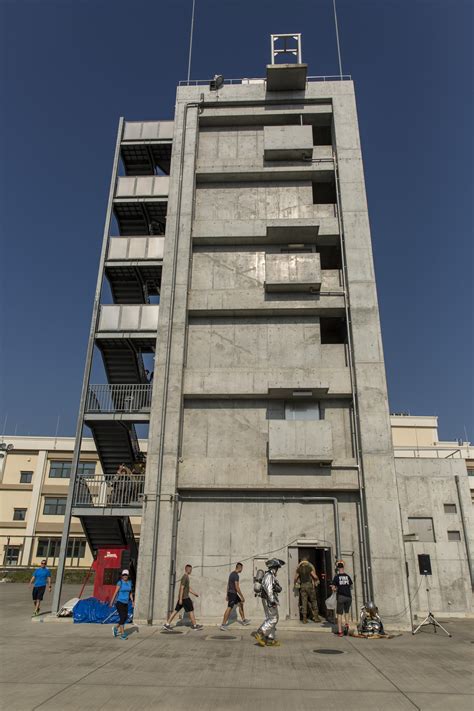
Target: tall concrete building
[269,433]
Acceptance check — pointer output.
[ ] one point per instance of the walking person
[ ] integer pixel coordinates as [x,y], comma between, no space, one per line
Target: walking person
[234,597]
[342,586]
[39,580]
[184,601]
[122,594]
[308,581]
[268,589]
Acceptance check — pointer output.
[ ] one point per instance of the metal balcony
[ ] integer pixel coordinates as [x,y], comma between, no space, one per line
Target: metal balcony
[139,318]
[102,492]
[130,399]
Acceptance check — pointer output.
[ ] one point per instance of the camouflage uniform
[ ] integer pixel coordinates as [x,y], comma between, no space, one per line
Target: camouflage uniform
[307,591]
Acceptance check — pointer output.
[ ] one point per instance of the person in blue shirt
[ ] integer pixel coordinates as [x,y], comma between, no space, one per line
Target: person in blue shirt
[40,578]
[122,594]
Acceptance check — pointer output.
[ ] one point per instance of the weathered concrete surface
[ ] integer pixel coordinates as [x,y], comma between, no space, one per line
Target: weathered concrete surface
[66,666]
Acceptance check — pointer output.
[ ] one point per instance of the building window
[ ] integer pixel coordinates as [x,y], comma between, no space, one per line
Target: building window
[422,526]
[19,514]
[470,471]
[454,535]
[450,508]
[62,470]
[301,410]
[54,506]
[26,477]
[49,548]
[12,555]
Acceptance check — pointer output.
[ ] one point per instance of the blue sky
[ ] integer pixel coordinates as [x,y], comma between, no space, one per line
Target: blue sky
[71,68]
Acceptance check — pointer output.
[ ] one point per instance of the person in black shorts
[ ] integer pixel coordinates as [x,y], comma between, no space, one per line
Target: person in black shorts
[184,601]
[234,597]
[39,580]
[342,586]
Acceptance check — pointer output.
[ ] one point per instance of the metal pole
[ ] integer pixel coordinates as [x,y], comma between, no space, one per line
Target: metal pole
[337,38]
[85,382]
[191,41]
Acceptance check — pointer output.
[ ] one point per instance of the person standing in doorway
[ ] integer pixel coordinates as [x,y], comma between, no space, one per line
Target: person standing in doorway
[308,580]
[184,601]
[122,594]
[39,580]
[234,597]
[342,586]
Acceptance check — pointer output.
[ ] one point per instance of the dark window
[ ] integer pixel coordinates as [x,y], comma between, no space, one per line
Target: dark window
[333,330]
[62,470]
[302,410]
[454,535]
[19,514]
[322,136]
[76,548]
[26,477]
[54,506]
[423,527]
[48,547]
[450,508]
[12,555]
[330,257]
[324,194]
[470,471]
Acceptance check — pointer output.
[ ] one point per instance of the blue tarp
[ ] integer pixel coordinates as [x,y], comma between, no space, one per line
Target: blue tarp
[93,610]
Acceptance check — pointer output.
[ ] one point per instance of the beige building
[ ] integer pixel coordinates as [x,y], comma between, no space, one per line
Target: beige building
[34,480]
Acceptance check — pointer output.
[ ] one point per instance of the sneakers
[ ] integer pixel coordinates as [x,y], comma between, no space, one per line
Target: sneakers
[167,627]
[245,622]
[316,619]
[114,631]
[305,621]
[224,628]
[123,636]
[197,627]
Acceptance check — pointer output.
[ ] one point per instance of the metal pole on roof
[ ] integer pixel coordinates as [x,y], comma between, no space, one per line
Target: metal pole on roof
[337,38]
[191,41]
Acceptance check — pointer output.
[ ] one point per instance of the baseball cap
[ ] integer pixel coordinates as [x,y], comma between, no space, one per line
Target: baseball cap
[125,572]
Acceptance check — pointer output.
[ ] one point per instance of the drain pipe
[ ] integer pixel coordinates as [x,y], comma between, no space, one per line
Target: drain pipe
[464,530]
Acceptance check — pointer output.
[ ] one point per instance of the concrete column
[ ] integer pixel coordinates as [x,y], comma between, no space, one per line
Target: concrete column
[383,518]
[155,560]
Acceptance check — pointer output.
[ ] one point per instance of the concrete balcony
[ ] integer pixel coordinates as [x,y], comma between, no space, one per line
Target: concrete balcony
[148,131]
[287,142]
[142,186]
[142,318]
[292,272]
[299,441]
[123,249]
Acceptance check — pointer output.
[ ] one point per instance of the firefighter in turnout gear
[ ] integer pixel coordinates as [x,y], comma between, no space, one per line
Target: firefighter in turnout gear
[267,587]
[308,580]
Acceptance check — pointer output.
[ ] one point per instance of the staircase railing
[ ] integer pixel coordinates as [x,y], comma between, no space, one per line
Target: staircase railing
[119,398]
[103,491]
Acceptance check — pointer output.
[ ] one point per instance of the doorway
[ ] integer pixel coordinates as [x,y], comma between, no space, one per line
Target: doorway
[321,558]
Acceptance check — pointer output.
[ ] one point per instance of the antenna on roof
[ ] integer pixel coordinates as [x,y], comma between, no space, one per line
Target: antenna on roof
[191,41]
[337,38]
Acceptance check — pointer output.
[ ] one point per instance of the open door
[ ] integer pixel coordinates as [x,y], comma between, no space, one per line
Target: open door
[321,558]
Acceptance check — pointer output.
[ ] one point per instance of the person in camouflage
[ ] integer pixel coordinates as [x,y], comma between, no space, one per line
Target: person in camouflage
[308,580]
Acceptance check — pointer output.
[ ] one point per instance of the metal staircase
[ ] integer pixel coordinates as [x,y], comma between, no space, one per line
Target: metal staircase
[116,444]
[123,361]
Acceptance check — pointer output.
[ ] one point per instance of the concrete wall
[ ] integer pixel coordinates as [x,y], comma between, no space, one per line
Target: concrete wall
[214,534]
[424,486]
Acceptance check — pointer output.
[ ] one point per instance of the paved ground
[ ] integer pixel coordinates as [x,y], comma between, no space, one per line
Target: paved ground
[58,665]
